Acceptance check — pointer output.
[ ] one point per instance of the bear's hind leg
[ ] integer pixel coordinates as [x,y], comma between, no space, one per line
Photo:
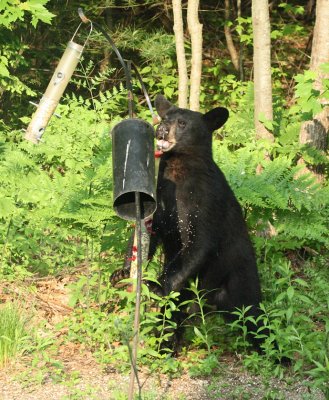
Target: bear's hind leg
[230,297]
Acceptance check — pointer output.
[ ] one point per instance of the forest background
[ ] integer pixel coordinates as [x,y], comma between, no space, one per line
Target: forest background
[56,198]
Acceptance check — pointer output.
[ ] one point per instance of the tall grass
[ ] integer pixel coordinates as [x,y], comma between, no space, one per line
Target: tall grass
[12,332]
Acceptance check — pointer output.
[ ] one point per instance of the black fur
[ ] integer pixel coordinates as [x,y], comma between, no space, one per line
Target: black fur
[198,220]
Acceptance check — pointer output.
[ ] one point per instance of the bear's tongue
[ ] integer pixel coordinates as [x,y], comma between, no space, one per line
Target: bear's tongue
[163,144]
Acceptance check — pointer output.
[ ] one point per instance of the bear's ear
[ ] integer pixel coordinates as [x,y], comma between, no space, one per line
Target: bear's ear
[162,105]
[215,118]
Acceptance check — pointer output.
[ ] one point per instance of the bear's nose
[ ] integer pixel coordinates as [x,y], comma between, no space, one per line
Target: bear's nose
[162,131]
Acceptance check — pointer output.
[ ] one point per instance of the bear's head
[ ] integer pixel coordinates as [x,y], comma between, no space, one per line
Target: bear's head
[181,129]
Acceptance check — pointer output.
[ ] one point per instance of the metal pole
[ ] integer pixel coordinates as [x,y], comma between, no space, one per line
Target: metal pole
[130,94]
[134,372]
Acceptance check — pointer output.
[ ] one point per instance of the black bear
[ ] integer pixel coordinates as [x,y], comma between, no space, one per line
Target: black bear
[198,220]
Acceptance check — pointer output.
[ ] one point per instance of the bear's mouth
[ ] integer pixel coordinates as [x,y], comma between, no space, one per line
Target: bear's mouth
[166,137]
[165,145]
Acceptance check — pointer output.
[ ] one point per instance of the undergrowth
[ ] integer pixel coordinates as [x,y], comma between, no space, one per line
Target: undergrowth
[56,213]
[12,332]
[294,310]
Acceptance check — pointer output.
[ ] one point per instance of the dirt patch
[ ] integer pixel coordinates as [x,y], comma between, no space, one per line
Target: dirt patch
[84,379]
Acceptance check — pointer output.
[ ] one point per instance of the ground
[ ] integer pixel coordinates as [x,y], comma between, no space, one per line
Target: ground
[69,370]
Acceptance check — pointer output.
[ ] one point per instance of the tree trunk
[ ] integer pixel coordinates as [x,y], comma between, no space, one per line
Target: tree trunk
[262,67]
[228,36]
[320,45]
[315,132]
[262,80]
[180,53]
[195,29]
[241,70]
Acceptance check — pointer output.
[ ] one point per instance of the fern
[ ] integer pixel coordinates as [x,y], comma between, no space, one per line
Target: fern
[295,204]
[57,191]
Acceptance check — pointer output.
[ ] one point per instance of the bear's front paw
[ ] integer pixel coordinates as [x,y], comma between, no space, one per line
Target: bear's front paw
[155,288]
[118,275]
[167,287]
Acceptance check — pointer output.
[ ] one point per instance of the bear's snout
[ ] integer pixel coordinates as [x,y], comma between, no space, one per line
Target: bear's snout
[162,132]
[165,135]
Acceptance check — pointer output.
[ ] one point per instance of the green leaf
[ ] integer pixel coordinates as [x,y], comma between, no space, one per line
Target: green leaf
[153,353]
[276,34]
[169,91]
[7,207]
[290,292]
[301,282]
[199,334]
[145,70]
[38,11]
[3,67]
[289,313]
[305,299]
[267,123]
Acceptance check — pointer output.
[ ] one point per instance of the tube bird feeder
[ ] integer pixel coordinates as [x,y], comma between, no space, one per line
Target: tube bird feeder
[54,92]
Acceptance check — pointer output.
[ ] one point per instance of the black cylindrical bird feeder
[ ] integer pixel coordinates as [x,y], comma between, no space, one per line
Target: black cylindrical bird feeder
[133,168]
[134,197]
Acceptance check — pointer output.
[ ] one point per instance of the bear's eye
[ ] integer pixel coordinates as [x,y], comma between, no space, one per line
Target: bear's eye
[181,123]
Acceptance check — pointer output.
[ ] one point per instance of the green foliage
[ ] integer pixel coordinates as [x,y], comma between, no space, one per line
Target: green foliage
[12,332]
[294,314]
[293,311]
[162,322]
[56,198]
[110,333]
[157,46]
[244,29]
[58,193]
[13,11]
[11,56]
[11,52]
[307,97]
[294,203]
[293,9]
[161,79]
[204,332]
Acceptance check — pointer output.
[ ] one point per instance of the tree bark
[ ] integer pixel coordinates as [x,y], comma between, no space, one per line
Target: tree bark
[315,132]
[228,36]
[320,45]
[195,29]
[241,69]
[262,67]
[180,54]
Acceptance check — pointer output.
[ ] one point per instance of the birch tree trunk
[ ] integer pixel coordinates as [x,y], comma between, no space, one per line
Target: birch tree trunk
[315,132]
[195,29]
[262,67]
[180,54]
